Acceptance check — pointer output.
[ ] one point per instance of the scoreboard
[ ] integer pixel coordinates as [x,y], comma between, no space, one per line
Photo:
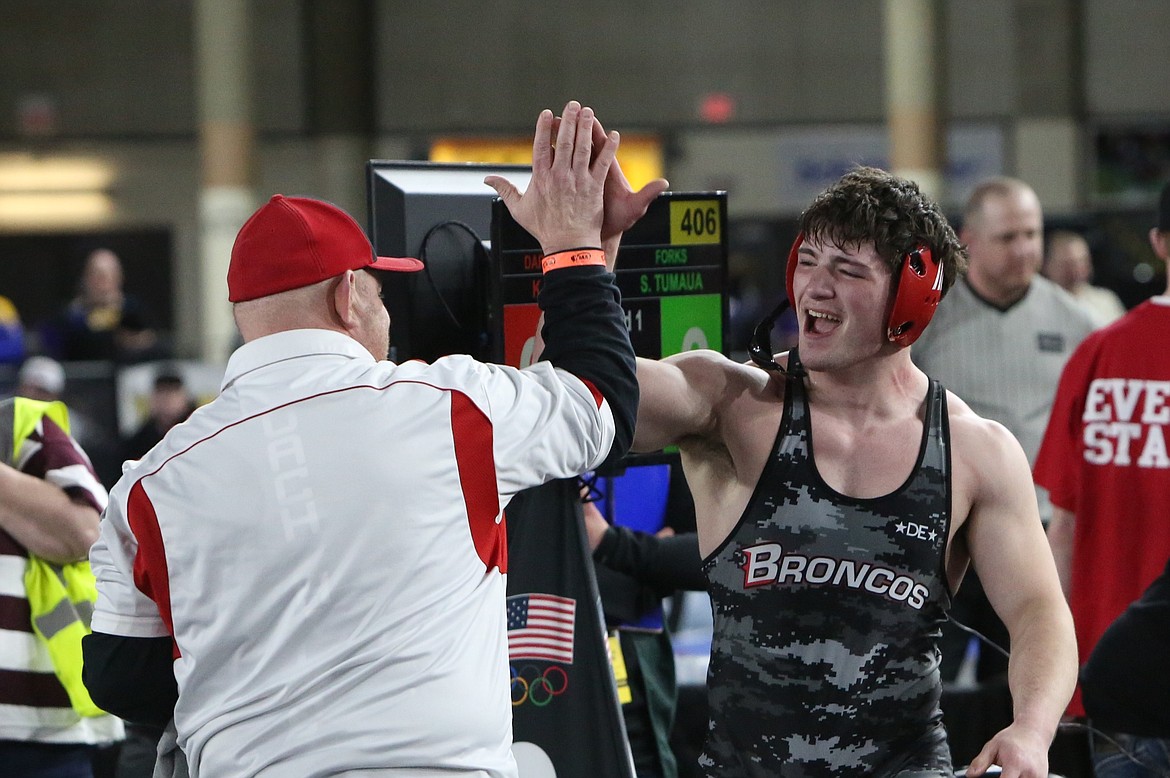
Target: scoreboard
[671,270]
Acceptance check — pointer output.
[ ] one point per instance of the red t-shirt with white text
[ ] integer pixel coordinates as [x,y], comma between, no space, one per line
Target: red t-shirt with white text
[1104,458]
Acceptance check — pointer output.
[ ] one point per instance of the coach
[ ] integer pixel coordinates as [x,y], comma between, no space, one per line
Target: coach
[321,549]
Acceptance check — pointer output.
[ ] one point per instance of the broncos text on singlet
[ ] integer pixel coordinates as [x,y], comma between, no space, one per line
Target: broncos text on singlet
[827,610]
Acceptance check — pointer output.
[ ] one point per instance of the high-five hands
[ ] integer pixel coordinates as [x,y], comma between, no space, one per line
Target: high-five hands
[624,206]
[563,205]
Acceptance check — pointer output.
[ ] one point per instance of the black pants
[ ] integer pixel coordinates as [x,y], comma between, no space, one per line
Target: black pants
[138,754]
[46,760]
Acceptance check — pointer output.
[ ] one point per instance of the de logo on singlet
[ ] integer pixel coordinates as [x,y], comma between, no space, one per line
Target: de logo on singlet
[914,530]
[767,564]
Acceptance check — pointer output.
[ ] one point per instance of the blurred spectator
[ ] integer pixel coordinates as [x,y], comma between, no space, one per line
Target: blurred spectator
[49,508]
[999,341]
[43,378]
[170,404]
[102,322]
[635,570]
[1069,264]
[11,333]
[1126,683]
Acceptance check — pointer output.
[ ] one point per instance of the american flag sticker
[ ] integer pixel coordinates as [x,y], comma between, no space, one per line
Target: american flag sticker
[540,626]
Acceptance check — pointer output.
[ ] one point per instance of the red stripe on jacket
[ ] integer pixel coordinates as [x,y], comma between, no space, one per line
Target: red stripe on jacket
[475,458]
[150,561]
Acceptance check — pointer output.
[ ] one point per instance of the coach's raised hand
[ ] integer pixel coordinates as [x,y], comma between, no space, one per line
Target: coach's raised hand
[563,205]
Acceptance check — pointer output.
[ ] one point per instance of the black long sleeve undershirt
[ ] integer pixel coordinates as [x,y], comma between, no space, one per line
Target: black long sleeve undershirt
[665,564]
[635,570]
[132,678]
[585,334]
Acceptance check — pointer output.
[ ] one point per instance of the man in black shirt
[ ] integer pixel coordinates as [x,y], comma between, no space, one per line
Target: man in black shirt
[1125,686]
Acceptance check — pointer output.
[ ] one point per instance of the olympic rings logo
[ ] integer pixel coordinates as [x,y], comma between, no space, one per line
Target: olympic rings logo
[540,688]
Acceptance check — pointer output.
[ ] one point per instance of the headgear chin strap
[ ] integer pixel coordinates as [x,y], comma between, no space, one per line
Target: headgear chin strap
[760,347]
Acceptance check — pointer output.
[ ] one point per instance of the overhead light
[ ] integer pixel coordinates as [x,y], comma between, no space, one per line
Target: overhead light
[54,191]
[57,209]
[26,173]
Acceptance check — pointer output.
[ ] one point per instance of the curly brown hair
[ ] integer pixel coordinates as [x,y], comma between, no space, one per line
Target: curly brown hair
[870,205]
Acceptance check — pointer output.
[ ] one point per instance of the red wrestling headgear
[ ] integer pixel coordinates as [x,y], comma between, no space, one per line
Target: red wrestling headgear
[918,290]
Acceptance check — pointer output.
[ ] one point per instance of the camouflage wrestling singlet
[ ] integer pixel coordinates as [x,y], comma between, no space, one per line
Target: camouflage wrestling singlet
[827,609]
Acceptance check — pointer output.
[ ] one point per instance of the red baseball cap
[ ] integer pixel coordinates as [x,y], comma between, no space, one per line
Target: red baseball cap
[292,242]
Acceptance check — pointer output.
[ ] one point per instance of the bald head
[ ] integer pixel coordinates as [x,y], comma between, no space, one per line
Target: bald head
[995,187]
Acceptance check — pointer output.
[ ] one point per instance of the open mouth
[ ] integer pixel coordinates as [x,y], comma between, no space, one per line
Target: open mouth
[819,322]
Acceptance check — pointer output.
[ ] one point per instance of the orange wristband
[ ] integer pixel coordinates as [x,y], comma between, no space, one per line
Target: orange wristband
[573,258]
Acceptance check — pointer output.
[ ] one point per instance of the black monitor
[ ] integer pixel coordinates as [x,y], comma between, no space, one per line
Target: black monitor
[442,214]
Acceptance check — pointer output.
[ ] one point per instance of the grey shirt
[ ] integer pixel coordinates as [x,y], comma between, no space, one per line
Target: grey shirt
[1005,363]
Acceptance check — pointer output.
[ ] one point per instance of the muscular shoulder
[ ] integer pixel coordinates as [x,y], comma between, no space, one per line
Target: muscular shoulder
[725,384]
[975,435]
[705,367]
[696,395]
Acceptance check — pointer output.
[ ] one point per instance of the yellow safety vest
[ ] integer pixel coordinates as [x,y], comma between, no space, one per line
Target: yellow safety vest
[61,597]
